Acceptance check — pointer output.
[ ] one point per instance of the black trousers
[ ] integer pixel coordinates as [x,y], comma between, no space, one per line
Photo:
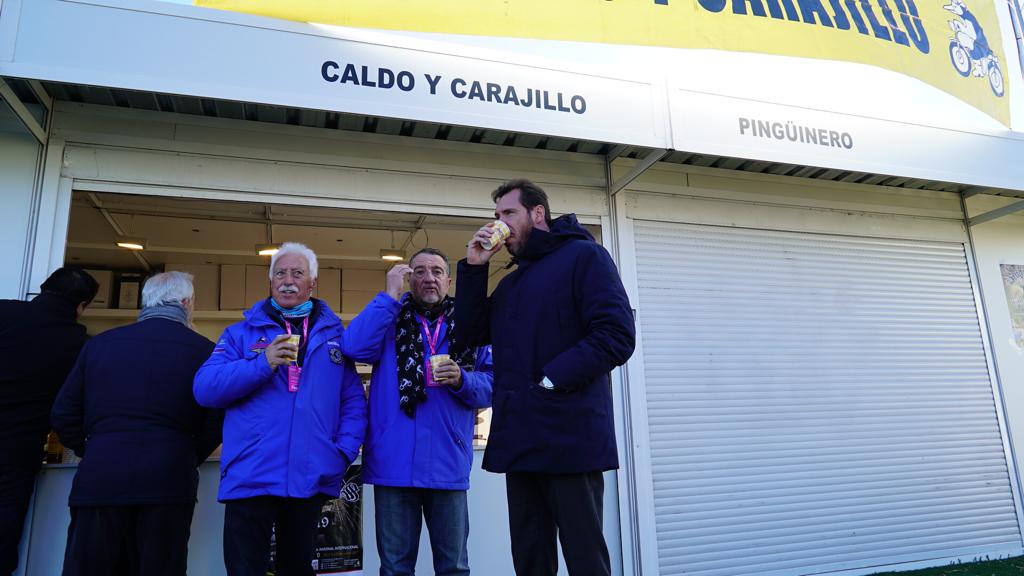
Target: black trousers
[20,460]
[566,507]
[247,528]
[128,540]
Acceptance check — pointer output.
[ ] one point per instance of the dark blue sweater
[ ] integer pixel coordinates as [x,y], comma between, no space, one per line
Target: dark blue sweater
[563,314]
[127,408]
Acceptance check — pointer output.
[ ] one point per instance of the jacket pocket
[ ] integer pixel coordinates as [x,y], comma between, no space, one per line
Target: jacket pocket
[329,465]
[247,449]
[456,433]
[555,396]
[452,462]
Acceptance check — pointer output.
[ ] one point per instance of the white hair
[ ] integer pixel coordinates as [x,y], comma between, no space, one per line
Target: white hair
[167,288]
[294,248]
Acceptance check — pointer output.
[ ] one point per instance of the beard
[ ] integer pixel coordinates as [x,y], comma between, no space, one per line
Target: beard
[428,300]
[517,241]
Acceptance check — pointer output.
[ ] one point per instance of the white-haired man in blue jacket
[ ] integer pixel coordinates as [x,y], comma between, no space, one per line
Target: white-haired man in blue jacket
[295,416]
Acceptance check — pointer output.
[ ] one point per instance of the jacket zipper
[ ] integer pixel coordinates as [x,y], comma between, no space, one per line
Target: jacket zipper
[291,422]
[291,426]
[288,462]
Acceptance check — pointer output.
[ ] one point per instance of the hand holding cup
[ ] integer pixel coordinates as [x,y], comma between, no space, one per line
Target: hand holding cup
[283,350]
[446,371]
[486,242]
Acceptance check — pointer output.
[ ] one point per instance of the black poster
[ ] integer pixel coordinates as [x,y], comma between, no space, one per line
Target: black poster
[339,534]
[338,545]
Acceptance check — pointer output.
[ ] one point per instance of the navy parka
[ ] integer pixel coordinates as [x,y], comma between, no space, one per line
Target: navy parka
[44,337]
[563,314]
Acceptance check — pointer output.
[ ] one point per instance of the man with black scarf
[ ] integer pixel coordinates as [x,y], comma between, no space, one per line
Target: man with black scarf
[419,447]
[44,337]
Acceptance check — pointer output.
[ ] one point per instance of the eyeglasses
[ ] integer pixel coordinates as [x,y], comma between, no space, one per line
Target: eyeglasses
[421,273]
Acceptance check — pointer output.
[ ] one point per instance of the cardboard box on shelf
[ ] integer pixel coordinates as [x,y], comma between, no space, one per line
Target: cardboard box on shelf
[257,283]
[328,288]
[232,287]
[355,279]
[206,281]
[105,278]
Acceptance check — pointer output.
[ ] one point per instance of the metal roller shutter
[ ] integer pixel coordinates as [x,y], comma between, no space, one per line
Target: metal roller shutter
[816,403]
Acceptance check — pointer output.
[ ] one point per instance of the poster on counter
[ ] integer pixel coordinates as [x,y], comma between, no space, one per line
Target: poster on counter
[339,534]
[338,544]
[1013,283]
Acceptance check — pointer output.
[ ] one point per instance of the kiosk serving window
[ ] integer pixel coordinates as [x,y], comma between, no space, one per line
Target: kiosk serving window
[217,242]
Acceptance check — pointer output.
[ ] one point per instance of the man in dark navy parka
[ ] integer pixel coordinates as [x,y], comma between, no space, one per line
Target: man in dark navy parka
[559,324]
[127,409]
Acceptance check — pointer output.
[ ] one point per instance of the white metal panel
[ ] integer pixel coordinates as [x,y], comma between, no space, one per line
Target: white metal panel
[261,60]
[189,155]
[816,403]
[997,243]
[722,125]
[49,220]
[639,498]
[772,211]
[19,168]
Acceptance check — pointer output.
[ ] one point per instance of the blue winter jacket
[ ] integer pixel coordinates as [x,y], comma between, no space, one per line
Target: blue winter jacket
[433,449]
[276,442]
[562,314]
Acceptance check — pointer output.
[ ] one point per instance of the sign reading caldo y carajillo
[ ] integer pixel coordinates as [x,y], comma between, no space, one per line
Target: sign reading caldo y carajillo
[954,45]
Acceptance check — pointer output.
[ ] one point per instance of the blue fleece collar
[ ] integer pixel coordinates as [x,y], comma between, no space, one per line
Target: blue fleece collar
[300,311]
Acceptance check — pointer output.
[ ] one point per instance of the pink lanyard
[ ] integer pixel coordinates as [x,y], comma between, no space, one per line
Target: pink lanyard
[432,341]
[305,329]
[294,371]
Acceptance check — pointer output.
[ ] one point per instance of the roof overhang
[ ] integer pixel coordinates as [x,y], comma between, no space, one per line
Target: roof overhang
[124,53]
[184,50]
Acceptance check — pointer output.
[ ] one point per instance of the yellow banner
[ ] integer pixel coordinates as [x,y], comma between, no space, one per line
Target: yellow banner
[954,45]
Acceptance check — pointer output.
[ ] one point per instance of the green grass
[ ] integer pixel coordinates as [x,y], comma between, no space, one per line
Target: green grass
[1009,567]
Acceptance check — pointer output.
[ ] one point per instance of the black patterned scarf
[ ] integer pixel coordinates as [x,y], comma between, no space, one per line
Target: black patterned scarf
[409,346]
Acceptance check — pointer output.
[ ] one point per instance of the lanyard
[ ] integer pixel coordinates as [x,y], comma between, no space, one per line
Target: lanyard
[432,341]
[294,371]
[305,329]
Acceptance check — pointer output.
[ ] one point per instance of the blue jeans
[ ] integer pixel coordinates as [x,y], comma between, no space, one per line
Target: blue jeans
[399,517]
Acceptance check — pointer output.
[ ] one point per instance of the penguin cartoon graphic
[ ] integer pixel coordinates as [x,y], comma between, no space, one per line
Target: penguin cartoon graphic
[969,49]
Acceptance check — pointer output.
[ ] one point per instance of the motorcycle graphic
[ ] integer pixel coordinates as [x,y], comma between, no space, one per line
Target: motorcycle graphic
[969,50]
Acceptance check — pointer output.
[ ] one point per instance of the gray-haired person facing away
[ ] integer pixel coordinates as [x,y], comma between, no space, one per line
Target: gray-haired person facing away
[127,409]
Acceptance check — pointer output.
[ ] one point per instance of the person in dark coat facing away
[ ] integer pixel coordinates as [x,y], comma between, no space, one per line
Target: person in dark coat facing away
[44,337]
[559,324]
[127,409]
